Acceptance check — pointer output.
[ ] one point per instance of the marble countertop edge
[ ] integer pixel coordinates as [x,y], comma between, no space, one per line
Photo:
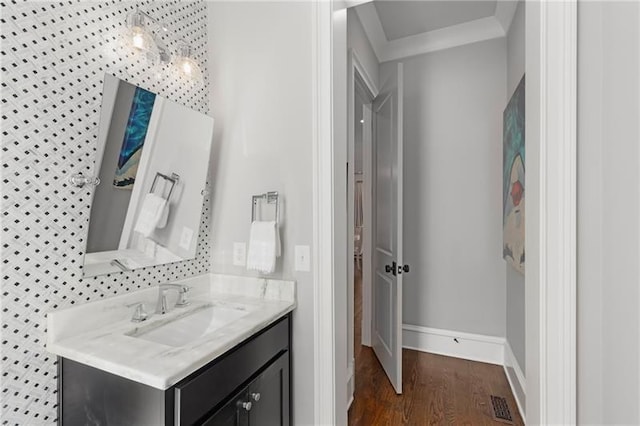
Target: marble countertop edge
[101,334]
[150,379]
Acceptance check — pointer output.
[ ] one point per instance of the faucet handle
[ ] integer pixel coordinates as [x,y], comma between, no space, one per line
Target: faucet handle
[182,296]
[139,314]
[161,307]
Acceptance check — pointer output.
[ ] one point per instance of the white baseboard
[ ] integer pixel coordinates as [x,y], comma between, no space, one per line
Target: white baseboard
[516,378]
[350,381]
[474,347]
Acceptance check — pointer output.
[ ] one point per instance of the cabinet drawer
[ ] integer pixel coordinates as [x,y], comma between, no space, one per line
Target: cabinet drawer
[200,393]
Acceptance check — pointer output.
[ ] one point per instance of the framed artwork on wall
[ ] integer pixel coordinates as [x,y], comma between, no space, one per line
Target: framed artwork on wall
[513,179]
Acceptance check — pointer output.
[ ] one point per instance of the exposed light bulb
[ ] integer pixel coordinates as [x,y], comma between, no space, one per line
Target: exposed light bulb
[138,41]
[186,67]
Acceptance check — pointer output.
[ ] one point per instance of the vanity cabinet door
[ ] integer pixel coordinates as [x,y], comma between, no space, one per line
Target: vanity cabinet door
[233,413]
[269,394]
[205,389]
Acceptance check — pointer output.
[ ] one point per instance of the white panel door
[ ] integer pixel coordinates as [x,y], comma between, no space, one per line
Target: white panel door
[388,266]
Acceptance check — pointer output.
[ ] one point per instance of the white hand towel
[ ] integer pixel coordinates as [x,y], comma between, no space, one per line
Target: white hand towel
[164,217]
[150,214]
[264,247]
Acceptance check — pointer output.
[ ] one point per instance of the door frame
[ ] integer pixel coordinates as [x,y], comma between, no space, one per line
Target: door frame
[551,64]
[551,245]
[358,71]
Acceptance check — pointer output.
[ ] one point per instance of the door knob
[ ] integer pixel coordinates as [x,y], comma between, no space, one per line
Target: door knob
[255,396]
[403,268]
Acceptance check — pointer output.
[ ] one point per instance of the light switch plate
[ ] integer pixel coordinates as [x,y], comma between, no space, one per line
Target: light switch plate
[239,254]
[302,258]
[186,237]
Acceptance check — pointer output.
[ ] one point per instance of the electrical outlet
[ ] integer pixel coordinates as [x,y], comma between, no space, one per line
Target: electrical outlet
[239,254]
[302,258]
[186,237]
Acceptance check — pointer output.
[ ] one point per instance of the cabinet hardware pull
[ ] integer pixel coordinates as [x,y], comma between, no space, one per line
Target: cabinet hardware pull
[246,405]
[255,396]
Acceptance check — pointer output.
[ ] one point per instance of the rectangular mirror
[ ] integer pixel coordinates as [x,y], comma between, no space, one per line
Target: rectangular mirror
[152,158]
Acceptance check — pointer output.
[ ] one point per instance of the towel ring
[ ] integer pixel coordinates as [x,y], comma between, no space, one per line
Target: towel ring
[174,178]
[271,197]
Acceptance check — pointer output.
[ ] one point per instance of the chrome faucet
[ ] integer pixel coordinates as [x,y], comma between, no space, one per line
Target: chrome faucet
[139,313]
[161,306]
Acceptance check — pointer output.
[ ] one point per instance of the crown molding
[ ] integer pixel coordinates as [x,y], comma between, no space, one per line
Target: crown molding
[444,38]
[373,28]
[354,3]
[505,10]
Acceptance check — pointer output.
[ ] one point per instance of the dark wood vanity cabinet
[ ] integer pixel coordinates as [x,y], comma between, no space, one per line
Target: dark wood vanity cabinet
[249,385]
[264,402]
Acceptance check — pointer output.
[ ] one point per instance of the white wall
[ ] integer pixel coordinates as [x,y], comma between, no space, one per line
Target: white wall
[260,59]
[515,280]
[452,184]
[608,213]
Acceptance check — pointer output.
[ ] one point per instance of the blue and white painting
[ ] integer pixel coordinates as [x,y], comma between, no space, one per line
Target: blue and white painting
[513,180]
[134,136]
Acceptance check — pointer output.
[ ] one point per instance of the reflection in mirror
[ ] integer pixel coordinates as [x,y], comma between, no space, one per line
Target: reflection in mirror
[152,159]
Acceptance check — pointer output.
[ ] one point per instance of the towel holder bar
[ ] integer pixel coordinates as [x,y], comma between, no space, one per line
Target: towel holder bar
[174,178]
[270,197]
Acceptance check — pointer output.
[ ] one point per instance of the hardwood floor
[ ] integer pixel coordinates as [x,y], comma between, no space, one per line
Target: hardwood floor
[437,390]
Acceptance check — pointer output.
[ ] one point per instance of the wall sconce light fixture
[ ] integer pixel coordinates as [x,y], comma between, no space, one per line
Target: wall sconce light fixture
[141,37]
[185,63]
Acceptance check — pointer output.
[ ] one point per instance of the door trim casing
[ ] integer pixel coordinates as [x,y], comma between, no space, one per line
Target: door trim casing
[551,110]
[322,254]
[357,69]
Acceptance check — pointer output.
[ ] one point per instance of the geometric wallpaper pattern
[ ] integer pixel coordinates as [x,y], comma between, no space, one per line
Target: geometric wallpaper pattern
[54,57]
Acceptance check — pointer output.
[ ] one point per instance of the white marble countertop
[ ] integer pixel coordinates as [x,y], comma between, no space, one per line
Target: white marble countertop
[98,333]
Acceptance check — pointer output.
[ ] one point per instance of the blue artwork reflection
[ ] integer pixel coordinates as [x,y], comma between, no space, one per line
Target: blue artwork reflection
[134,136]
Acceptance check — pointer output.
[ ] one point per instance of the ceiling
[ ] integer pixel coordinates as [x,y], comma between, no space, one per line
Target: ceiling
[401,19]
[399,28]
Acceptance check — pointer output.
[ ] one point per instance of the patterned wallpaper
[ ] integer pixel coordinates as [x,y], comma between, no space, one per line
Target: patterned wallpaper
[54,57]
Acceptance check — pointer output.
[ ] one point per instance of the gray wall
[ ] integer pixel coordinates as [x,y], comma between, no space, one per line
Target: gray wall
[608,213]
[452,184]
[358,41]
[261,98]
[515,280]
[110,204]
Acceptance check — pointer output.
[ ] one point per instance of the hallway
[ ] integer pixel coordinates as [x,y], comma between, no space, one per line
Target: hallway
[437,389]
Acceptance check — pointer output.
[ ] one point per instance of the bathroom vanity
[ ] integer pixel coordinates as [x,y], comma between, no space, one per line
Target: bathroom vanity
[222,358]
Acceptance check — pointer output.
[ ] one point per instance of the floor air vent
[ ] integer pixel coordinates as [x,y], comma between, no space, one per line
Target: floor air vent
[501,409]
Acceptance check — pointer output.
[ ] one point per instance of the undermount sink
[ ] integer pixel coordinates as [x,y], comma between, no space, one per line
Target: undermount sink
[191,326]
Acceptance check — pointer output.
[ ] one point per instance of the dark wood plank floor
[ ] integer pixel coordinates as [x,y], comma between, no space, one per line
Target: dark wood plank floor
[437,390]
